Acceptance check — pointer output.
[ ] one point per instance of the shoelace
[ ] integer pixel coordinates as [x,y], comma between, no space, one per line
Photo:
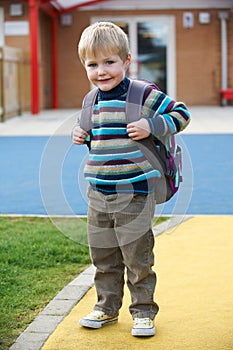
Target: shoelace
[97,313]
[144,321]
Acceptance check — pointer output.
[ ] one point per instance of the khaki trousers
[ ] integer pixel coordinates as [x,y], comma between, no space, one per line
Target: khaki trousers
[121,239]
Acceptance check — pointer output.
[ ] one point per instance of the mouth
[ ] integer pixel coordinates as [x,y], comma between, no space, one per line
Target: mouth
[104,80]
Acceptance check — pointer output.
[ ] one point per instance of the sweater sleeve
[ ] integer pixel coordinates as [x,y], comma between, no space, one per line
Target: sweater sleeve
[165,115]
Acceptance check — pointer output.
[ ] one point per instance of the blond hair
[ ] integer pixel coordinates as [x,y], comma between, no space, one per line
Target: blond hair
[103,36]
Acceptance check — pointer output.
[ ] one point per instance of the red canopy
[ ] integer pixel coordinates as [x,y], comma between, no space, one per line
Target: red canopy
[63,6]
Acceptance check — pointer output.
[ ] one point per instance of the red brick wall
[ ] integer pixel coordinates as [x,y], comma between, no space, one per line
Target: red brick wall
[198,56]
[199,61]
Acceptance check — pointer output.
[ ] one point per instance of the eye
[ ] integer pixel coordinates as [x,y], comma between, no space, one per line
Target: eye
[92,65]
[109,62]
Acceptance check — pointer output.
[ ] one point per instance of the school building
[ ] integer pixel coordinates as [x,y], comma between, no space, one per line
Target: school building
[185,46]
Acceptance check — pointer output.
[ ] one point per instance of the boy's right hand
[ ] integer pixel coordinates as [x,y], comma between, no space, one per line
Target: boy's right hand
[79,135]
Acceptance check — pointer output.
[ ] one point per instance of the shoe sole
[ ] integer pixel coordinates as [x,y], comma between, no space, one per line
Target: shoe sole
[141,332]
[96,324]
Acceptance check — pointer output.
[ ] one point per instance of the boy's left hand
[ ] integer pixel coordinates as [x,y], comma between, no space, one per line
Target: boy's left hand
[139,129]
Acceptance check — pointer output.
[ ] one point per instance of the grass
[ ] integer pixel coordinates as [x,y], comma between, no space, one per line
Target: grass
[38,258]
[36,262]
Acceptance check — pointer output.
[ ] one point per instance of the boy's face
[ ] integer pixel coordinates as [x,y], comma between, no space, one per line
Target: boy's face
[106,71]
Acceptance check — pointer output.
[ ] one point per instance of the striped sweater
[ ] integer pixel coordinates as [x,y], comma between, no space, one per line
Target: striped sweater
[115,162]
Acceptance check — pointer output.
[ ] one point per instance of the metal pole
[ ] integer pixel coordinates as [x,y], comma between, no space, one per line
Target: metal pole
[1,63]
[223,16]
[2,38]
[54,62]
[34,25]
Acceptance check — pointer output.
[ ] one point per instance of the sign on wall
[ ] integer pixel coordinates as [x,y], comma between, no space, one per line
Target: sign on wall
[188,20]
[16,28]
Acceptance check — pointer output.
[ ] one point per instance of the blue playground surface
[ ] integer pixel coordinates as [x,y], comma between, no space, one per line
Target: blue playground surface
[42,175]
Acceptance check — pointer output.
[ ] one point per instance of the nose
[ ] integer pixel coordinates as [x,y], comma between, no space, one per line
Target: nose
[101,69]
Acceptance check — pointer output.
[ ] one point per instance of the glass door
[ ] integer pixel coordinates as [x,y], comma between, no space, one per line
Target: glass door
[152,45]
[152,52]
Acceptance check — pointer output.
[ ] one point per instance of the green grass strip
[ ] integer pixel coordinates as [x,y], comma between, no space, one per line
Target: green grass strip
[36,262]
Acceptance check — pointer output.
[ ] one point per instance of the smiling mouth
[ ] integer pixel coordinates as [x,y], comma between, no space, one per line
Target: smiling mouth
[103,80]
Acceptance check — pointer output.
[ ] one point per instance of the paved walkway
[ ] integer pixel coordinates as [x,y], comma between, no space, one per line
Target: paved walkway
[193,264]
[205,120]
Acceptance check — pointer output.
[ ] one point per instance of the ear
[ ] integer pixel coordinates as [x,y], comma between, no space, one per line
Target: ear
[128,61]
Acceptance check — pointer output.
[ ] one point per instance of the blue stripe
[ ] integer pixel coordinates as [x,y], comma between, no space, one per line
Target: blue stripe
[109,131]
[164,104]
[158,103]
[170,123]
[111,103]
[97,181]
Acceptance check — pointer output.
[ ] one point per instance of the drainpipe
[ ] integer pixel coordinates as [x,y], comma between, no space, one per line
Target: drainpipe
[34,33]
[2,39]
[223,16]
[1,62]
[54,62]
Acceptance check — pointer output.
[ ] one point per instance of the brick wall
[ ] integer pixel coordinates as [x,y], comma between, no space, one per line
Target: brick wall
[198,56]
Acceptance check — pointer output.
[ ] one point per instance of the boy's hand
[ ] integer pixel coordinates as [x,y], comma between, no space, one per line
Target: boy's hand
[79,135]
[139,129]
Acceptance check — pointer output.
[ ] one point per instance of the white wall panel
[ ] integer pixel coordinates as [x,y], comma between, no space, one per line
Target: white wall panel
[158,4]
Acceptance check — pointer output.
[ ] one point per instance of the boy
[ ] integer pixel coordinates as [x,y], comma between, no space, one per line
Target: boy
[121,200]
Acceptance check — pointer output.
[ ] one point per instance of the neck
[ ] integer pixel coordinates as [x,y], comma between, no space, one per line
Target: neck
[115,92]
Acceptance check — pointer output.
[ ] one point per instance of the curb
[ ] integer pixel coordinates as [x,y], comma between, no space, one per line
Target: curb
[36,334]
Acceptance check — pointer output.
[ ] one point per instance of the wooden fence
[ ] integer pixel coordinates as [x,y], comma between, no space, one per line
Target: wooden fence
[14,82]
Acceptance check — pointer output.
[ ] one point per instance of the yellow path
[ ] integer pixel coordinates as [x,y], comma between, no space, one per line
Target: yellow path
[194,266]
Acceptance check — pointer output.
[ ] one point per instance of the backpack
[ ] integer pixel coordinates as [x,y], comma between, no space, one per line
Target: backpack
[163,154]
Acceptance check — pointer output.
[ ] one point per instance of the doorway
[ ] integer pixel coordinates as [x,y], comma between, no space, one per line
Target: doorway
[152,45]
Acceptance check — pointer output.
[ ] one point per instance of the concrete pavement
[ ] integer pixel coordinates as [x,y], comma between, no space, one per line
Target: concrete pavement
[205,120]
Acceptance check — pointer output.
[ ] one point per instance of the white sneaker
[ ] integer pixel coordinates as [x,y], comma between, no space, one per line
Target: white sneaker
[97,319]
[143,327]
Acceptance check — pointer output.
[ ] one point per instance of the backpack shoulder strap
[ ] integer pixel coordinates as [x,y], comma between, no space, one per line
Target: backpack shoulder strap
[133,104]
[134,100]
[87,108]
[133,112]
